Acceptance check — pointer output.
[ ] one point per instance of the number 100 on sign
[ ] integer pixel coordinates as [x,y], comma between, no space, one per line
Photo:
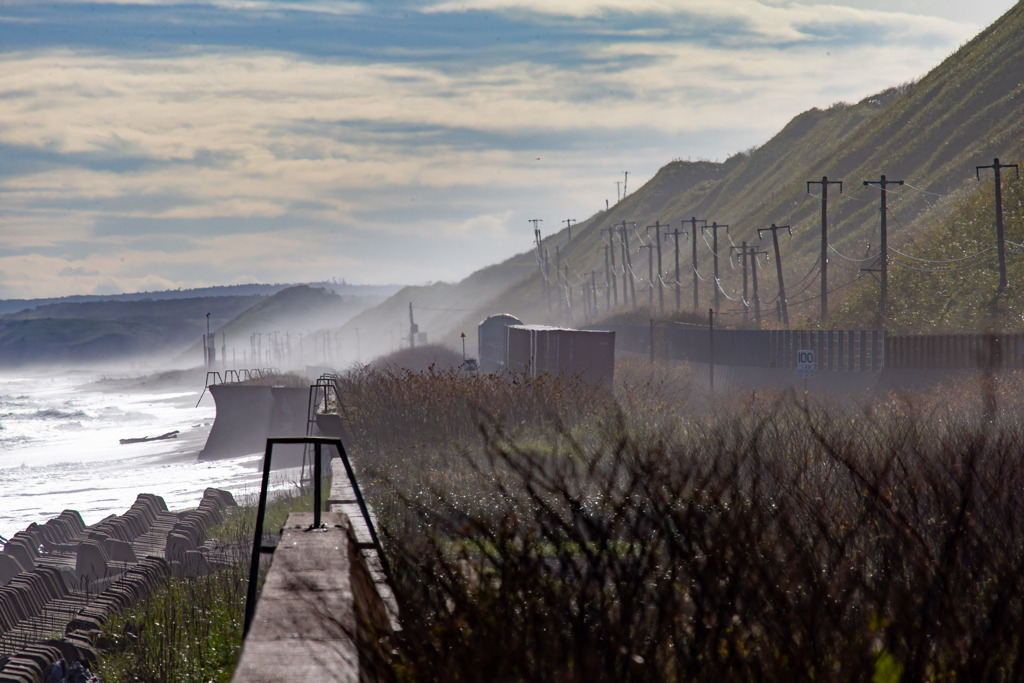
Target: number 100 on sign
[805,364]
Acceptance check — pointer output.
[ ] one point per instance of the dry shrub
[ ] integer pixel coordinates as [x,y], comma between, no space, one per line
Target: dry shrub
[579,541]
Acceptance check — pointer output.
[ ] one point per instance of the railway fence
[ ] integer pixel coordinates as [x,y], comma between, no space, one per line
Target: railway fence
[835,351]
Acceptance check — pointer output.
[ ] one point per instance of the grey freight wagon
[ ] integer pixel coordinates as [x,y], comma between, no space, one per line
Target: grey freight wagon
[538,349]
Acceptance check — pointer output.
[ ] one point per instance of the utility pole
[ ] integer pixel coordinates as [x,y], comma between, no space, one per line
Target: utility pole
[650,274]
[413,329]
[558,278]
[618,191]
[714,251]
[884,263]
[588,291]
[711,349]
[608,280]
[568,294]
[625,181]
[778,267]
[611,253]
[754,253]
[696,278]
[1000,240]
[568,223]
[751,253]
[540,249]
[741,256]
[627,268]
[676,233]
[824,182]
[661,289]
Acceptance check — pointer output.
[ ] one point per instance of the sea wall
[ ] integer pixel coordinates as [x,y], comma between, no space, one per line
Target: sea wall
[247,415]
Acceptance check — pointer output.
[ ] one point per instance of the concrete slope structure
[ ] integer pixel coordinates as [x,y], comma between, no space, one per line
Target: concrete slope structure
[248,414]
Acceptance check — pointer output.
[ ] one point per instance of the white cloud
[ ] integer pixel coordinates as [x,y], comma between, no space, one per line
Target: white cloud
[282,166]
[762,20]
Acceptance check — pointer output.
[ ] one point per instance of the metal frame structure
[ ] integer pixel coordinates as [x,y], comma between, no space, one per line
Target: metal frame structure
[318,443]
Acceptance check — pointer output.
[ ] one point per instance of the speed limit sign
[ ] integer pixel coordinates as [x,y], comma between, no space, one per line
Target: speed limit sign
[805,363]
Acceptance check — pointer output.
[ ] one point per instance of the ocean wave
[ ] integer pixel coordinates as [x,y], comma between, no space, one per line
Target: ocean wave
[58,414]
[12,442]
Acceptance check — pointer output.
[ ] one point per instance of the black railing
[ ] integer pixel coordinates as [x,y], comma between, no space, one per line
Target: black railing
[318,443]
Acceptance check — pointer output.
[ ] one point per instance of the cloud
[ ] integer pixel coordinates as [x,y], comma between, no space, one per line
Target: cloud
[68,271]
[736,21]
[199,143]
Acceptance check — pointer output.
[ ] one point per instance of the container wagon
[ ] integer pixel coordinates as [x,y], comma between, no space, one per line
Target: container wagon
[491,341]
[539,349]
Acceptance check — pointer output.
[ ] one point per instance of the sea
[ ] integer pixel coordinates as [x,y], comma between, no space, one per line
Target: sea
[60,446]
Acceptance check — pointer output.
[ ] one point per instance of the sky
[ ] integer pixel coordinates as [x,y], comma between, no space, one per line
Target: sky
[164,144]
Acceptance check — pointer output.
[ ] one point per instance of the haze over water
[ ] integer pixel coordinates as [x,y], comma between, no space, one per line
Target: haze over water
[59,449]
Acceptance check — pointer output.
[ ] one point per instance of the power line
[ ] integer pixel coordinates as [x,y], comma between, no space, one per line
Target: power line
[956,260]
[944,270]
[850,258]
[935,194]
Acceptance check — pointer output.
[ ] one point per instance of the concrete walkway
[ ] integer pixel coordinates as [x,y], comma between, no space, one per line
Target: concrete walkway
[325,605]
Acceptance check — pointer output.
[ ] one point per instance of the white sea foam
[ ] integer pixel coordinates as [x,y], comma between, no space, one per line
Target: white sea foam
[59,449]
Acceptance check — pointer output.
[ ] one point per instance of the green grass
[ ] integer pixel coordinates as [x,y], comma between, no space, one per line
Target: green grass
[191,628]
[956,291]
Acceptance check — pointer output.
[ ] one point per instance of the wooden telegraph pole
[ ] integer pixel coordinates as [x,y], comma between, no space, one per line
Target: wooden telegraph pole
[1000,239]
[825,182]
[884,263]
[778,267]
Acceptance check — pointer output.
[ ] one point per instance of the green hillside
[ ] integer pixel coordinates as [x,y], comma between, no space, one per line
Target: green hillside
[951,283]
[931,134]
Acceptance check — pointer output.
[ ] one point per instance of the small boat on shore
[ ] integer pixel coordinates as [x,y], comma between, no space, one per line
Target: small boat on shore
[142,439]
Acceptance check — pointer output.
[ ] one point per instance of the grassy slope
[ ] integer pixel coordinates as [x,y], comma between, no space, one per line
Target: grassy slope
[931,134]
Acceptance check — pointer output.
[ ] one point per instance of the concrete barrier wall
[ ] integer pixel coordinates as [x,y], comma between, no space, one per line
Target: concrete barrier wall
[326,602]
[247,415]
[315,617]
[242,422]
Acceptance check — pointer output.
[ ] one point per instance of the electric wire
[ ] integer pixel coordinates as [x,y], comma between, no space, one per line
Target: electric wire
[936,194]
[850,258]
[943,270]
[957,260]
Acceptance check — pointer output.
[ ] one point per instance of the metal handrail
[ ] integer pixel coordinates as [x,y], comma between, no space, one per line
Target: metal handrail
[257,544]
[324,383]
[217,379]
